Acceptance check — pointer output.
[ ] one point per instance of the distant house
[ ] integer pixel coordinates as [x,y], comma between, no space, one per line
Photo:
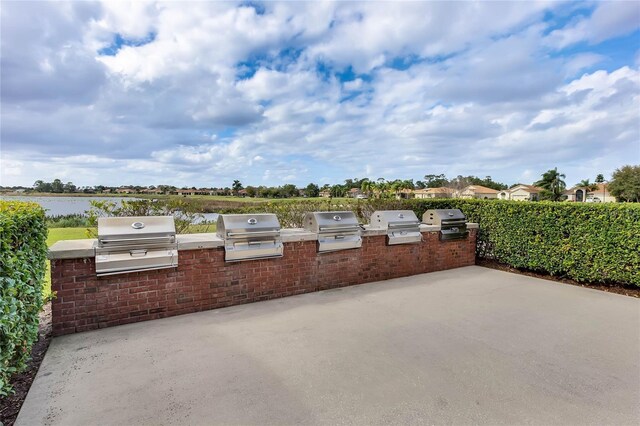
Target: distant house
[354,192]
[184,192]
[581,194]
[325,194]
[216,191]
[405,193]
[521,192]
[478,191]
[206,191]
[441,192]
[124,190]
[155,191]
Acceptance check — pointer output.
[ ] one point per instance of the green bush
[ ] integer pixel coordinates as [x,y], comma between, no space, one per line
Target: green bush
[23,253]
[587,242]
[186,214]
[67,221]
[291,213]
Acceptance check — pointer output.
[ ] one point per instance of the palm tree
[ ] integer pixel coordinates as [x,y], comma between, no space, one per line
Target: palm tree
[338,191]
[237,187]
[381,187]
[367,187]
[553,184]
[590,187]
[600,179]
[396,186]
[587,186]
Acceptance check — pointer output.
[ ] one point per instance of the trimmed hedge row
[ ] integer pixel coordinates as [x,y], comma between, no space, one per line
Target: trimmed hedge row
[23,253]
[597,243]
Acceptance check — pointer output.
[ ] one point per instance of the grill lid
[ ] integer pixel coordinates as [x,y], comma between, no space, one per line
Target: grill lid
[321,222]
[136,230]
[394,219]
[443,216]
[245,225]
[402,226]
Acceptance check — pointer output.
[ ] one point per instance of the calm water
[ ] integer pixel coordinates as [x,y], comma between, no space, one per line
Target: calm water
[55,206]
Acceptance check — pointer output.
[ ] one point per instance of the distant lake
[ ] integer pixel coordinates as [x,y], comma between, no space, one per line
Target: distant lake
[57,206]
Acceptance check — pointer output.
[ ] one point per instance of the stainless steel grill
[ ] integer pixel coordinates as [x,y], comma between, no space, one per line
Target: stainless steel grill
[132,244]
[402,226]
[250,236]
[452,222]
[336,230]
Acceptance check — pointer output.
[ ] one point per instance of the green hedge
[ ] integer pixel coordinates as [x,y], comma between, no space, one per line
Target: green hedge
[23,251]
[597,243]
[588,242]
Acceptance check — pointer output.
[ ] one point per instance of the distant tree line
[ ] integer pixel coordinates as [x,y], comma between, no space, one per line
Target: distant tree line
[56,187]
[624,185]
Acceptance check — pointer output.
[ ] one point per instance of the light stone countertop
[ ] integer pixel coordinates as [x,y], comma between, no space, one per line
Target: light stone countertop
[74,249]
[199,241]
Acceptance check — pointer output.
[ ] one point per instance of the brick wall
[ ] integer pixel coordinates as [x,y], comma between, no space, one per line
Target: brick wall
[204,281]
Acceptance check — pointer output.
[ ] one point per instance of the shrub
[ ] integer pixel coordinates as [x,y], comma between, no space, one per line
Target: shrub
[23,253]
[587,242]
[67,221]
[291,213]
[185,213]
[598,243]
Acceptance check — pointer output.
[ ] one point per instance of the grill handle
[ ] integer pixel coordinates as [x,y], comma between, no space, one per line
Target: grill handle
[252,234]
[340,228]
[138,253]
[408,225]
[123,240]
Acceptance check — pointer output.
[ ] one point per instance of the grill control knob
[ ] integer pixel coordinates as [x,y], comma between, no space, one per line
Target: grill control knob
[401,216]
[337,218]
[137,225]
[252,221]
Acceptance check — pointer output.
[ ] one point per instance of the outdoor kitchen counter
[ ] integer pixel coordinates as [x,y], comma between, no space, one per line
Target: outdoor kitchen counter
[73,249]
[204,279]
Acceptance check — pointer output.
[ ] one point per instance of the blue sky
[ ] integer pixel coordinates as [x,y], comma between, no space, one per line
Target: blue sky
[203,93]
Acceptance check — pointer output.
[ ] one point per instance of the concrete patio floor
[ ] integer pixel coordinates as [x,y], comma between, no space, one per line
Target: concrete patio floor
[465,346]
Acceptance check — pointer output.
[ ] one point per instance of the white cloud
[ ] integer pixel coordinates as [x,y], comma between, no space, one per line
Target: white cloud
[213,98]
[610,19]
[581,61]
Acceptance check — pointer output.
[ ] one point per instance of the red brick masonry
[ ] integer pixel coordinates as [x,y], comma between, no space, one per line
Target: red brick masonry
[204,281]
